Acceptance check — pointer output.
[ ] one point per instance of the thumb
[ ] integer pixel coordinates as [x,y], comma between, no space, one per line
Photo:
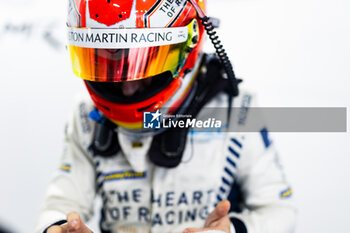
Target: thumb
[75,224]
[55,229]
[220,211]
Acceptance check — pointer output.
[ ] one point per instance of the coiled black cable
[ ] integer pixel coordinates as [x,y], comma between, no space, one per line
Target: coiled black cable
[221,52]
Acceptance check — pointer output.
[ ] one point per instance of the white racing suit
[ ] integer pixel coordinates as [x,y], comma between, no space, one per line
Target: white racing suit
[141,197]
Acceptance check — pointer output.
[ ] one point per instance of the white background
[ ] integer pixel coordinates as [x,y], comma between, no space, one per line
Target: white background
[290,52]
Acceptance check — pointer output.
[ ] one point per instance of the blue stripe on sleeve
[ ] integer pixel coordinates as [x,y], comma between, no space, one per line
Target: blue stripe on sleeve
[235,141]
[233,152]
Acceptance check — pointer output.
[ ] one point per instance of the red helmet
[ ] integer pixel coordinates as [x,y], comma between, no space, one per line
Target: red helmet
[114,41]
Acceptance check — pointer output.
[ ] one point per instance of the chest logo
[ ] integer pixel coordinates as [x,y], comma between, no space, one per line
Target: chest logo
[124,175]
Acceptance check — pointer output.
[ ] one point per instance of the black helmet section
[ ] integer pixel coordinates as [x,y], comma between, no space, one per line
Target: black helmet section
[112,91]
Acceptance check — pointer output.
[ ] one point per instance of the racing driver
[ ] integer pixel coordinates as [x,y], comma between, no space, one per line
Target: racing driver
[140,59]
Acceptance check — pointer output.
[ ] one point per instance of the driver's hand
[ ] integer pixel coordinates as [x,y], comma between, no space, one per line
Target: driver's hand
[217,220]
[74,225]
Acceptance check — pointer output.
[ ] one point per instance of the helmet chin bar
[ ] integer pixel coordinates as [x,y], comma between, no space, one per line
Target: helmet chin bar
[220,51]
[136,134]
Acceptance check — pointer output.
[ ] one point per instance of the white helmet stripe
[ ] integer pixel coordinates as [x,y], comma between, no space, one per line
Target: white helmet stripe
[109,38]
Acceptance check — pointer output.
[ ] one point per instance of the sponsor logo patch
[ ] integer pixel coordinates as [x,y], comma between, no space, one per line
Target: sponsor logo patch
[286,193]
[105,38]
[65,167]
[164,11]
[124,175]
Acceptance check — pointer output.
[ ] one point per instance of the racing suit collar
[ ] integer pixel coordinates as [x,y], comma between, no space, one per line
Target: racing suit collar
[135,151]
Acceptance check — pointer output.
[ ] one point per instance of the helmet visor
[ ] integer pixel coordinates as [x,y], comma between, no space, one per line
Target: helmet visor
[114,55]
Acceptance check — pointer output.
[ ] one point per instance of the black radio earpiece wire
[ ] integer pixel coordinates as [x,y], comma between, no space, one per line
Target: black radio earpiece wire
[220,51]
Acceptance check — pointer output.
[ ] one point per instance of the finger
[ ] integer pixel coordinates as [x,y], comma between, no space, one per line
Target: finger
[190,230]
[75,224]
[73,221]
[55,229]
[220,211]
[211,229]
